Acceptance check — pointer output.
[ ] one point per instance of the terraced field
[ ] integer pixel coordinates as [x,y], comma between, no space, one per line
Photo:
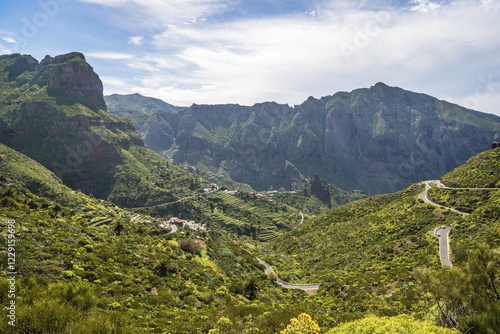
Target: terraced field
[262,219]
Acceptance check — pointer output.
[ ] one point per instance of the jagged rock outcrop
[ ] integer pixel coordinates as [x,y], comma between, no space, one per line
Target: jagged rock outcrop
[378,139]
[149,117]
[71,74]
[18,65]
[54,112]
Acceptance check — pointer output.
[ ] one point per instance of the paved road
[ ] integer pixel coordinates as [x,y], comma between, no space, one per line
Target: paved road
[443,234]
[311,289]
[424,196]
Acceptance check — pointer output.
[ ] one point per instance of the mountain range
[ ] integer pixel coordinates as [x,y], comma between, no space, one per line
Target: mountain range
[88,205]
[54,112]
[378,139]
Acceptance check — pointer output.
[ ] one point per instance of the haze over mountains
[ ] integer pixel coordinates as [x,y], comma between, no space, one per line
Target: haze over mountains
[378,139]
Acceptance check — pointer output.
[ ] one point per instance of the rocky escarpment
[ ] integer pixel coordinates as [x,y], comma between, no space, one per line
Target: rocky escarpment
[71,74]
[139,107]
[148,115]
[54,112]
[378,139]
[46,123]
[14,65]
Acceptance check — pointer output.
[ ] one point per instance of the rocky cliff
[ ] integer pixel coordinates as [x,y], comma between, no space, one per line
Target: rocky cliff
[377,139]
[70,74]
[54,112]
[148,115]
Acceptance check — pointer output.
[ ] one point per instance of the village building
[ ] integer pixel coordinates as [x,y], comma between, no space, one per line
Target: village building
[189,224]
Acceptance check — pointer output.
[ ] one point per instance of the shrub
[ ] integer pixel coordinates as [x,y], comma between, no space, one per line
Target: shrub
[191,246]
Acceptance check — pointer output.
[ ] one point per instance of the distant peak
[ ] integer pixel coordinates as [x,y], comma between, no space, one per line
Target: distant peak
[381,84]
[62,58]
[381,90]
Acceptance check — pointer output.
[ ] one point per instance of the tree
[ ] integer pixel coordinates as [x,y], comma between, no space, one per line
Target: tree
[484,269]
[467,297]
[449,290]
[119,227]
[224,325]
[161,269]
[251,289]
[191,246]
[303,324]
[56,208]
[319,188]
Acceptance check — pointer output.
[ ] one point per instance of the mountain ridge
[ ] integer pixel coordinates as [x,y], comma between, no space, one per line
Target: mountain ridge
[377,139]
[95,263]
[54,112]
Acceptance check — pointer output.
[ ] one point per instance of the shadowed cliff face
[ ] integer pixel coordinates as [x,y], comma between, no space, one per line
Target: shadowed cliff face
[43,118]
[70,74]
[379,139]
[54,112]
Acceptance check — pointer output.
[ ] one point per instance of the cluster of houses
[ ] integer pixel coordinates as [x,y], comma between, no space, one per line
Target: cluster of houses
[185,223]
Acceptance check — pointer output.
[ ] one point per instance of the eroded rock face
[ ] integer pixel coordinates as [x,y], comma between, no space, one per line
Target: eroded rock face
[16,64]
[71,74]
[81,146]
[379,139]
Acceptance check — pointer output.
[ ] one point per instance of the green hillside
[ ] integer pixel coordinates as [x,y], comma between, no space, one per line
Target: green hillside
[369,253]
[87,266]
[54,112]
[92,256]
[19,171]
[139,108]
[99,268]
[390,325]
[480,171]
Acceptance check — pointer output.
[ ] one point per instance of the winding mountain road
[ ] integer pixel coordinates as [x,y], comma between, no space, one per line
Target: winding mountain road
[424,196]
[442,232]
[311,289]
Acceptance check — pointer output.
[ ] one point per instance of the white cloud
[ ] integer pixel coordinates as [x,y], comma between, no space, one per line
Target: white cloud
[424,5]
[109,55]
[289,58]
[486,94]
[490,4]
[136,40]
[4,50]
[116,85]
[150,14]
[9,39]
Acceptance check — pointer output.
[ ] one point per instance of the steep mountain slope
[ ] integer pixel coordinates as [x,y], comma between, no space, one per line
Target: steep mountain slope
[368,252]
[480,171]
[147,114]
[21,172]
[84,264]
[54,112]
[379,139]
[87,266]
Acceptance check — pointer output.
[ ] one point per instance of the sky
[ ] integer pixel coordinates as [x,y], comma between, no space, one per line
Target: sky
[250,51]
